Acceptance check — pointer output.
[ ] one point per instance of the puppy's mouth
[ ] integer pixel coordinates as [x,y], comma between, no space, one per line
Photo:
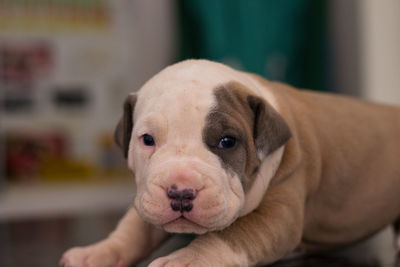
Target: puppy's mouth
[184,219]
[183,224]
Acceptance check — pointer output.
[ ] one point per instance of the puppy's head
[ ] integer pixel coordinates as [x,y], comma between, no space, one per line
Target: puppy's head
[201,144]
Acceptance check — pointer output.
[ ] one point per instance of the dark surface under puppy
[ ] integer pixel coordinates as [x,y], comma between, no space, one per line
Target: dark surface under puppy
[40,242]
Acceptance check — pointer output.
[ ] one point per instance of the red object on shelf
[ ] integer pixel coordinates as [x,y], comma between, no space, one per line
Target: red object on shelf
[26,152]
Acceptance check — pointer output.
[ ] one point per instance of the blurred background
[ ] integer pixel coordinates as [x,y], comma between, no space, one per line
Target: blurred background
[67,65]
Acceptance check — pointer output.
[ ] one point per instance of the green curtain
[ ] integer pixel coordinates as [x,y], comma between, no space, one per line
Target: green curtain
[280,39]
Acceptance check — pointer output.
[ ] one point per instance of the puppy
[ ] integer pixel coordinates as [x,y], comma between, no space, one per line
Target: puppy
[256,168]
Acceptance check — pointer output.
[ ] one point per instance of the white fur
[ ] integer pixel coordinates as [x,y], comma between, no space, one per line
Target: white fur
[172,107]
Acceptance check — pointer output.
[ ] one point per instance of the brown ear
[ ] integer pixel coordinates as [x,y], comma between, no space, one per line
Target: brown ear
[123,130]
[270,129]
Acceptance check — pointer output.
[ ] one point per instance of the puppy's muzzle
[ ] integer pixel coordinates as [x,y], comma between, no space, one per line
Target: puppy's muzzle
[181,200]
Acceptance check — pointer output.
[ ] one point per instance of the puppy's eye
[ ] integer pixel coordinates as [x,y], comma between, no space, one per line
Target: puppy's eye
[148,140]
[227,142]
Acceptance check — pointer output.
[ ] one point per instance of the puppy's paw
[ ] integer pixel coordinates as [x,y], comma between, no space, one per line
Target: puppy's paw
[102,254]
[182,258]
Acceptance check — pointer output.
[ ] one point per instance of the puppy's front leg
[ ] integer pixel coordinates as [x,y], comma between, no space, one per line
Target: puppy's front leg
[132,240]
[265,235]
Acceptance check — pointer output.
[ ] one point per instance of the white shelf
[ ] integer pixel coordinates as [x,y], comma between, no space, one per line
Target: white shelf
[63,199]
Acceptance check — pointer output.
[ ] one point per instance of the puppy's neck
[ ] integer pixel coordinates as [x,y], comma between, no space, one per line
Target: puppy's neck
[267,170]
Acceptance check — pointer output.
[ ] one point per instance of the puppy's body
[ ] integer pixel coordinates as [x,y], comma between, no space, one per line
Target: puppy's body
[307,170]
[350,150]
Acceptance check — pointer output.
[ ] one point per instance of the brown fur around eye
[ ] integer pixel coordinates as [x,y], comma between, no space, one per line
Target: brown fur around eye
[256,125]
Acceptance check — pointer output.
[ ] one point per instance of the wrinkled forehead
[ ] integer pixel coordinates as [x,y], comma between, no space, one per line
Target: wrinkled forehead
[189,83]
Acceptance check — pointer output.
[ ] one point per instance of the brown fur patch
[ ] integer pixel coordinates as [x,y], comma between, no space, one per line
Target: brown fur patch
[248,118]
[123,131]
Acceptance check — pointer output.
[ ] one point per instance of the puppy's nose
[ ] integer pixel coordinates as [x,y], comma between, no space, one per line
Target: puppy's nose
[181,200]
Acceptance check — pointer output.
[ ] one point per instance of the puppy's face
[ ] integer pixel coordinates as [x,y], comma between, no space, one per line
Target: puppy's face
[196,139]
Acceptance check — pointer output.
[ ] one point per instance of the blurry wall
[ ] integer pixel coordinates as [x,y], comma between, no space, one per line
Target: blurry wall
[65,70]
[282,40]
[344,46]
[380,49]
[156,37]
